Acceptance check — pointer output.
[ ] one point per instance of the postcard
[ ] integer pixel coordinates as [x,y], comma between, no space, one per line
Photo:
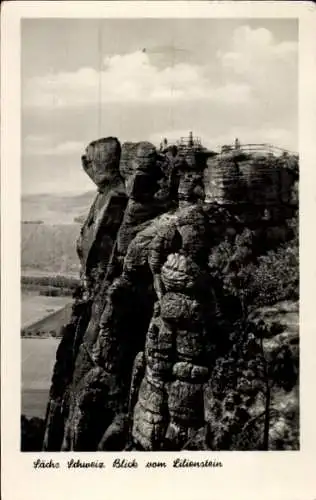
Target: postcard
[158,273]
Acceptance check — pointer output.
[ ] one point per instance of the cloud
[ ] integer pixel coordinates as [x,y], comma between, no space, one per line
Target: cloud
[248,89]
[270,68]
[43,146]
[255,73]
[255,55]
[130,78]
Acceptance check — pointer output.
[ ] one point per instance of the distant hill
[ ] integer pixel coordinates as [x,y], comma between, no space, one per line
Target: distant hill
[33,222]
[49,249]
[49,230]
[55,208]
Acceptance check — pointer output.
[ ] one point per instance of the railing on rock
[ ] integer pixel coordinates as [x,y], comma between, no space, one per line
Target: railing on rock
[252,148]
[186,143]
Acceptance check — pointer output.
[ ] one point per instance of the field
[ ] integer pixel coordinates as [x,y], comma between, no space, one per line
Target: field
[37,307]
[48,249]
[38,357]
[39,314]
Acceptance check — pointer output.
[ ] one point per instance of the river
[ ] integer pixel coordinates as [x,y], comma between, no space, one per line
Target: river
[38,358]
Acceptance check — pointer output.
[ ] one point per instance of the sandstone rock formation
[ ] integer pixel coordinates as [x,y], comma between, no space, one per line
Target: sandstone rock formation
[170,400]
[263,183]
[164,350]
[258,410]
[94,247]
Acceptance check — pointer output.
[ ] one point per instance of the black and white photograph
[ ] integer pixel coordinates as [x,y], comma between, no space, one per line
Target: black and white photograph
[159,235]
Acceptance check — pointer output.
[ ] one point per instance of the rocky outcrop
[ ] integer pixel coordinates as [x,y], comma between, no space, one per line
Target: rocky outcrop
[170,399]
[252,399]
[95,247]
[266,184]
[157,354]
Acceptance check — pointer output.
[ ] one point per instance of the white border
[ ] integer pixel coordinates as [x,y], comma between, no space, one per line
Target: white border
[267,475]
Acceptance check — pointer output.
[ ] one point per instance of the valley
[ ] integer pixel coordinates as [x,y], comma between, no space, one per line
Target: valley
[37,361]
[49,273]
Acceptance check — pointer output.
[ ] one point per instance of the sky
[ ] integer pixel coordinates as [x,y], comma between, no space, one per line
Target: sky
[145,79]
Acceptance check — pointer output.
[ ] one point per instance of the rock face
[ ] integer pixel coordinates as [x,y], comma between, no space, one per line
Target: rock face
[262,182]
[170,400]
[95,246]
[156,355]
[259,408]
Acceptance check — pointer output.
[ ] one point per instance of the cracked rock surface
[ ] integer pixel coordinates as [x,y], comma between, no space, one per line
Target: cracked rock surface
[181,336]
